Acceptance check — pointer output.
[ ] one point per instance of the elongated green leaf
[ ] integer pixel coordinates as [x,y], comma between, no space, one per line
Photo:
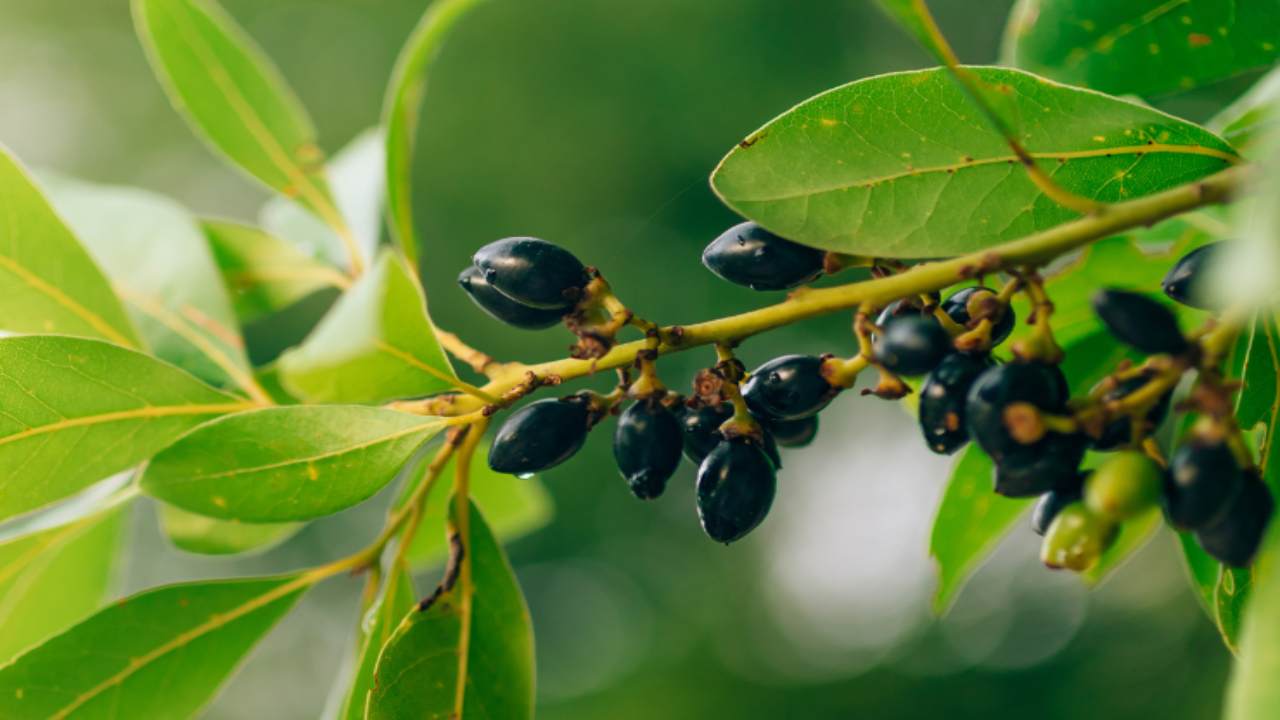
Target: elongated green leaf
[157,258]
[376,344]
[1202,571]
[358,188]
[264,273]
[79,410]
[286,463]
[1253,693]
[513,506]
[1142,47]
[234,97]
[971,520]
[458,656]
[160,654]
[48,283]
[400,113]
[1253,117]
[901,165]
[52,579]
[395,602]
[212,536]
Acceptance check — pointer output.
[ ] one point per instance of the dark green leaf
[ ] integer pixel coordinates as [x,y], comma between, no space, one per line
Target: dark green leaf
[286,463]
[77,411]
[234,97]
[901,165]
[458,656]
[1142,47]
[1202,570]
[376,344]
[264,273]
[970,522]
[160,654]
[54,578]
[395,601]
[157,258]
[400,113]
[211,536]
[48,283]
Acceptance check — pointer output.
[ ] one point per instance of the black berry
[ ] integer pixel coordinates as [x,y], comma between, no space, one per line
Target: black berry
[1048,464]
[1041,385]
[1235,538]
[960,305]
[1185,282]
[1202,480]
[1052,502]
[1139,322]
[532,272]
[735,489]
[702,429]
[1120,431]
[504,308]
[942,400]
[912,345]
[790,387]
[747,254]
[646,446]
[540,435]
[794,433]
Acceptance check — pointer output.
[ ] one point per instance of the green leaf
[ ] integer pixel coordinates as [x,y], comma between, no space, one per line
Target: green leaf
[48,283]
[264,273]
[400,113]
[157,258]
[286,463]
[234,97]
[54,578]
[376,344]
[1134,534]
[395,601]
[1254,117]
[513,506]
[358,189]
[79,410]
[1253,693]
[460,656]
[160,654]
[1142,47]
[211,536]
[913,15]
[970,522]
[901,165]
[1202,571]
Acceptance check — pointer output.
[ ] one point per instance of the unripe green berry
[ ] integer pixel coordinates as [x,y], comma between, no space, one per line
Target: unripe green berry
[1077,538]
[1125,485]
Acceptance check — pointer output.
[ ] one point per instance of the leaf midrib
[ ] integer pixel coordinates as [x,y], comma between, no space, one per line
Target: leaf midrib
[870,182]
[149,411]
[94,320]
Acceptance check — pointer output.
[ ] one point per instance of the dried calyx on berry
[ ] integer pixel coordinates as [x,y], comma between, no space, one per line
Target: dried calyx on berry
[747,254]
[1186,282]
[532,272]
[1119,431]
[647,445]
[965,307]
[504,308]
[912,344]
[543,434]
[790,387]
[942,400]
[1140,322]
[735,489]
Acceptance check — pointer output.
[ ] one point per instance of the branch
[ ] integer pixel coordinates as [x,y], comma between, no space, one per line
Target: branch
[805,303]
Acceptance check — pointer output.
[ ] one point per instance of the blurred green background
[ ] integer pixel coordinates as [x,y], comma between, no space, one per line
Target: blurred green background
[595,123]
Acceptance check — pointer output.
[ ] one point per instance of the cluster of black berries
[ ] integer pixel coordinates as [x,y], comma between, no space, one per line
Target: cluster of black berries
[525,282]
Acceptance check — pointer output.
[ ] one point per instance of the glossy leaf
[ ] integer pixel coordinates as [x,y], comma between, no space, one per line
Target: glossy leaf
[48,283]
[264,273]
[513,507]
[156,256]
[234,97]
[1202,571]
[160,654]
[286,463]
[1253,117]
[970,522]
[212,536]
[375,344]
[54,578]
[358,187]
[459,656]
[77,411]
[1142,47]
[400,113]
[395,602]
[901,165]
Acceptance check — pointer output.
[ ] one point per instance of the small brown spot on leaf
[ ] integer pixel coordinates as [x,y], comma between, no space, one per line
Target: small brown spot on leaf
[1198,39]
